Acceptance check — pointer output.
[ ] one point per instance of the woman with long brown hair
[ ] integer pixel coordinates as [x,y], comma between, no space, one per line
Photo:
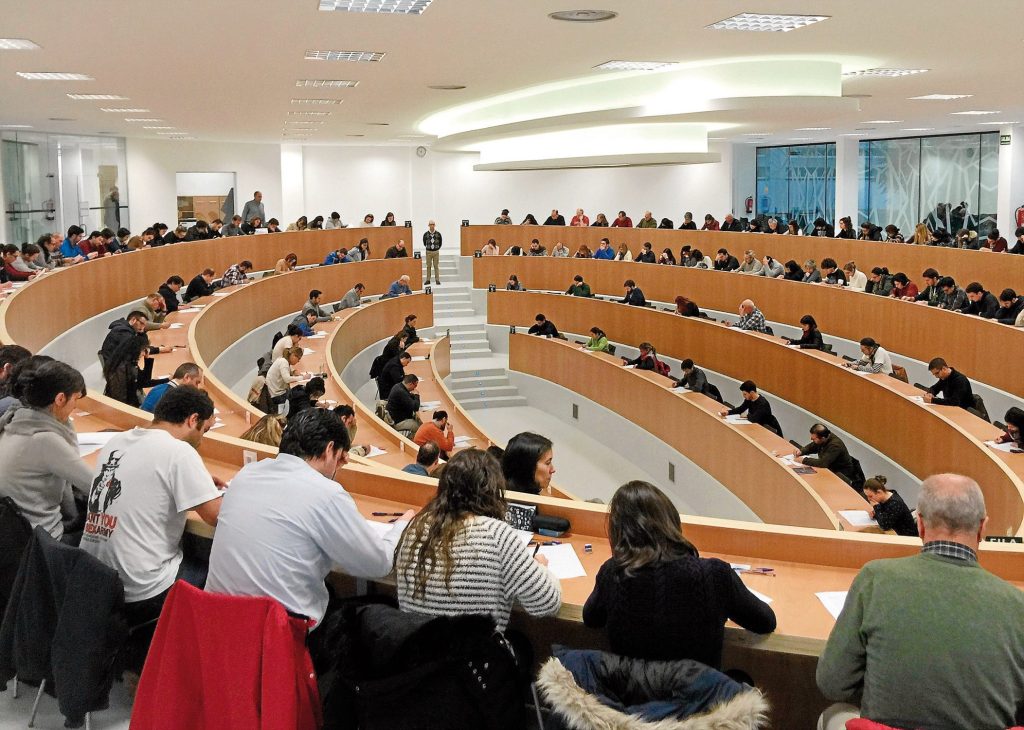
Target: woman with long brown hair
[656,597]
[459,556]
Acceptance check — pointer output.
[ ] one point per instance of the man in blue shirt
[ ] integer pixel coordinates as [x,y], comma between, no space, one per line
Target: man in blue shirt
[604,250]
[188,373]
[70,249]
[426,459]
[305,322]
[399,288]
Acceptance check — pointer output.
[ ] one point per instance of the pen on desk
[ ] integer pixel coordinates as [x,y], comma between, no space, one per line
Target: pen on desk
[387,514]
[536,549]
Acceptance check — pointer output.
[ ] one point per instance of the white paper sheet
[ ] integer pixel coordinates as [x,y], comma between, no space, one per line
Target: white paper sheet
[563,561]
[917,398]
[463,440]
[176,325]
[739,566]
[1008,447]
[307,351]
[221,293]
[737,420]
[524,536]
[760,596]
[832,601]
[90,442]
[857,517]
[430,405]
[317,336]
[189,310]
[425,339]
[419,358]
[374,451]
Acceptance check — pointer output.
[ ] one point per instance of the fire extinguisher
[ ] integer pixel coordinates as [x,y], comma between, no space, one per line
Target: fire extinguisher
[749,204]
[1019,215]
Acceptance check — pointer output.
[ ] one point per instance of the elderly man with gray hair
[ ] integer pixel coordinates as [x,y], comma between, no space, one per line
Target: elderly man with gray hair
[932,640]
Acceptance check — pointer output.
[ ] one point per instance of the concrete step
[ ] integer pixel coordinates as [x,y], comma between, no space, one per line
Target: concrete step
[469,336]
[441,313]
[471,352]
[473,341]
[472,404]
[481,381]
[491,391]
[450,293]
[458,329]
[456,379]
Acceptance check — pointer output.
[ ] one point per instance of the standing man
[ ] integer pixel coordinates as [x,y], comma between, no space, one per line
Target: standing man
[254,208]
[914,629]
[112,209]
[432,242]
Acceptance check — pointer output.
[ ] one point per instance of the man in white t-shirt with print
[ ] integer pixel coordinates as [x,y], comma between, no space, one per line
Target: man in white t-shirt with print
[286,523]
[147,481]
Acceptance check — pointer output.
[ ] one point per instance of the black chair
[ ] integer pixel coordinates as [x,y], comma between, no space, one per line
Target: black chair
[979,408]
[826,347]
[849,359]
[611,349]
[15,533]
[799,446]
[920,387]
[768,330]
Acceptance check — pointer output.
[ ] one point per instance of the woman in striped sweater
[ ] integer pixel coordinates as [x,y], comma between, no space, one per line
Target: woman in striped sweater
[459,556]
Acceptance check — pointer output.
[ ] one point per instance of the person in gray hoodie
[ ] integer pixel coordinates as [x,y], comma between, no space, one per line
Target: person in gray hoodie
[41,486]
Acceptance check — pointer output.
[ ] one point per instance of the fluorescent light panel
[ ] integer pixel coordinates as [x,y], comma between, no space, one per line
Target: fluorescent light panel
[53,76]
[169,134]
[976,113]
[141,119]
[767,22]
[332,83]
[813,129]
[17,44]
[883,121]
[634,65]
[309,114]
[124,111]
[918,129]
[365,56]
[888,73]
[159,127]
[940,97]
[398,7]
[316,101]
[97,97]
[15,126]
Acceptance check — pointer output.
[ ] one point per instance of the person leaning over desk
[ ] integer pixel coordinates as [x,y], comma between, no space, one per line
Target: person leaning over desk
[756,407]
[598,341]
[874,359]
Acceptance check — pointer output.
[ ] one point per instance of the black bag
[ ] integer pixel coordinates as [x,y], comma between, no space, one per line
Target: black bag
[277,336]
[377,366]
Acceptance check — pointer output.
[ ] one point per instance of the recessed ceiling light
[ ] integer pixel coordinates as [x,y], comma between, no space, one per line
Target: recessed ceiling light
[15,126]
[147,127]
[852,134]
[17,44]
[332,83]
[305,121]
[97,97]
[813,129]
[309,114]
[583,16]
[940,97]
[447,87]
[767,22]
[401,7]
[124,111]
[169,134]
[976,113]
[800,139]
[886,72]
[634,65]
[53,76]
[316,101]
[883,121]
[298,129]
[1000,123]
[918,129]
[366,56]
[142,119]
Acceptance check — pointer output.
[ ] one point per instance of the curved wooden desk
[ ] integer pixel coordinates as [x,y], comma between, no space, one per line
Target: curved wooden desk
[689,423]
[925,439]
[995,270]
[980,348]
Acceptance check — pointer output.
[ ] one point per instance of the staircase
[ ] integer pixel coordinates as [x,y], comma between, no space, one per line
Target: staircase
[452,302]
[484,388]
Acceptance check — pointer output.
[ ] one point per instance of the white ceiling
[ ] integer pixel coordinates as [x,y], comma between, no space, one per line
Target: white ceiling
[226,69]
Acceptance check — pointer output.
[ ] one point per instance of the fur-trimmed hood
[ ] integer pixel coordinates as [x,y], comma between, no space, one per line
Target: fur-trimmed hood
[581,710]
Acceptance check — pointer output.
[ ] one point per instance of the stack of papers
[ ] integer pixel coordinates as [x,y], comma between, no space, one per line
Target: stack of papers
[419,358]
[221,293]
[737,420]
[857,517]
[833,601]
[317,336]
[430,405]
[90,442]
[563,561]
[217,424]
[189,310]
[374,451]
[463,440]
[1009,447]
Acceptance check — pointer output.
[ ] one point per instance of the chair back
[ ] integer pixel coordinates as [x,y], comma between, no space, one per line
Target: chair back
[15,533]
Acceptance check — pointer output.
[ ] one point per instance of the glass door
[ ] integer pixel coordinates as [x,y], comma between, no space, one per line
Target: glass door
[29,194]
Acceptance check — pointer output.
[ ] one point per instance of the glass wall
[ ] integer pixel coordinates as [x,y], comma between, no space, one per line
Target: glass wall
[51,182]
[945,181]
[797,183]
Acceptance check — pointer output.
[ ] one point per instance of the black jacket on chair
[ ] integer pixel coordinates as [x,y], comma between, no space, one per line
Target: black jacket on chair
[395,670]
[64,624]
[15,533]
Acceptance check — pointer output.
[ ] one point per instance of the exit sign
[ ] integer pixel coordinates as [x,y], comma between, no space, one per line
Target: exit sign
[1004,139]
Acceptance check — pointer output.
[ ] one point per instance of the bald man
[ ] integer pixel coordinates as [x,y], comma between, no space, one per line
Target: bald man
[933,640]
[751,319]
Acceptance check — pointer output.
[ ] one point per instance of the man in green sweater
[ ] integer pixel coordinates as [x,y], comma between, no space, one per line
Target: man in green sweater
[579,288]
[932,641]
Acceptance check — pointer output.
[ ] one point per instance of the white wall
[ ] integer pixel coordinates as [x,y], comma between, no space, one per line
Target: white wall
[153,164]
[204,183]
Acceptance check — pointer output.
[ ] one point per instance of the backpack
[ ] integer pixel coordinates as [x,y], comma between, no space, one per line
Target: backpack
[259,395]
[662,368]
[377,366]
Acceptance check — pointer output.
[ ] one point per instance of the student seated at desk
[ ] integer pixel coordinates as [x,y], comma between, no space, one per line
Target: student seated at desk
[458,556]
[811,338]
[827,451]
[543,327]
[694,379]
[647,359]
[1014,428]
[579,288]
[757,408]
[528,463]
[598,341]
[687,307]
[305,322]
[656,597]
[953,385]
[439,432]
[200,286]
[302,397]
[634,296]
[513,284]
[288,523]
[404,404]
[426,459]
[188,373]
[888,508]
[392,372]
[874,359]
